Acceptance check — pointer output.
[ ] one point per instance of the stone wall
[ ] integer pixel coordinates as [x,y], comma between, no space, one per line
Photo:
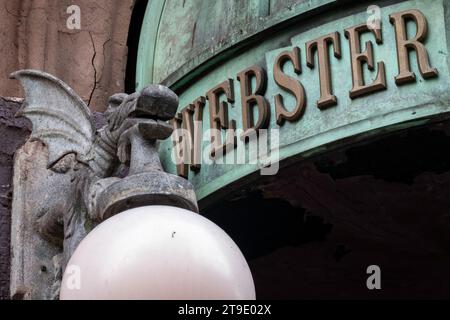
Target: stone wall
[13,133]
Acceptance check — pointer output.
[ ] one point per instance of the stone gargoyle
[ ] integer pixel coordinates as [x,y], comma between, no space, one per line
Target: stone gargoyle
[70,176]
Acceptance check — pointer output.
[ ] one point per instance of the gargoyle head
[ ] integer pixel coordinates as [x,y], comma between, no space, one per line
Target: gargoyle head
[154,102]
[63,122]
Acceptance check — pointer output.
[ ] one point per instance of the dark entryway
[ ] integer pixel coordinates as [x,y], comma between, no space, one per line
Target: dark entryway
[312,230]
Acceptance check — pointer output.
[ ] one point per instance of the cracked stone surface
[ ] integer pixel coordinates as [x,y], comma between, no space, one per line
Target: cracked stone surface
[92,60]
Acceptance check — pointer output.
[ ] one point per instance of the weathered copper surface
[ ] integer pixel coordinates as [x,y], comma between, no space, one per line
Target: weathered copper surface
[351,79]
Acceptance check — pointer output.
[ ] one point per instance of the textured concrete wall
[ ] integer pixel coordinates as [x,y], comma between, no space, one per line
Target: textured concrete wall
[91,60]
[13,133]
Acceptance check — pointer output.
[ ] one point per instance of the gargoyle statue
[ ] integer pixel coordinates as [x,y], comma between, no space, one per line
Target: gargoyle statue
[91,160]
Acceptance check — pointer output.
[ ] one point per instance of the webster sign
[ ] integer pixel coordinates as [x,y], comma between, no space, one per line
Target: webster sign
[339,80]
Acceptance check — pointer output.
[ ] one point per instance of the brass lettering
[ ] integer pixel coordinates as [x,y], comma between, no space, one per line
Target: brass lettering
[290,84]
[327,98]
[194,126]
[404,45]
[249,99]
[187,123]
[358,58]
[180,143]
[218,116]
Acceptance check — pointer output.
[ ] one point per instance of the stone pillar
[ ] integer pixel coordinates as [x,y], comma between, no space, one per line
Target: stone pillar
[14,132]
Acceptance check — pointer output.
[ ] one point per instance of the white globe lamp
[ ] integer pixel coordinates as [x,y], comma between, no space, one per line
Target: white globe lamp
[157,252]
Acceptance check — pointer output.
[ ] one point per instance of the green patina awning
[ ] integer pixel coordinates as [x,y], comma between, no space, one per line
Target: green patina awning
[192,46]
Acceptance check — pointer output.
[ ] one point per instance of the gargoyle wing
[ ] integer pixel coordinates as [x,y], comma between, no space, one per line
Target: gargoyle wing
[60,118]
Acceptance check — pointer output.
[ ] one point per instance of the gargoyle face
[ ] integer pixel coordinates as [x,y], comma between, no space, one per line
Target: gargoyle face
[154,102]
